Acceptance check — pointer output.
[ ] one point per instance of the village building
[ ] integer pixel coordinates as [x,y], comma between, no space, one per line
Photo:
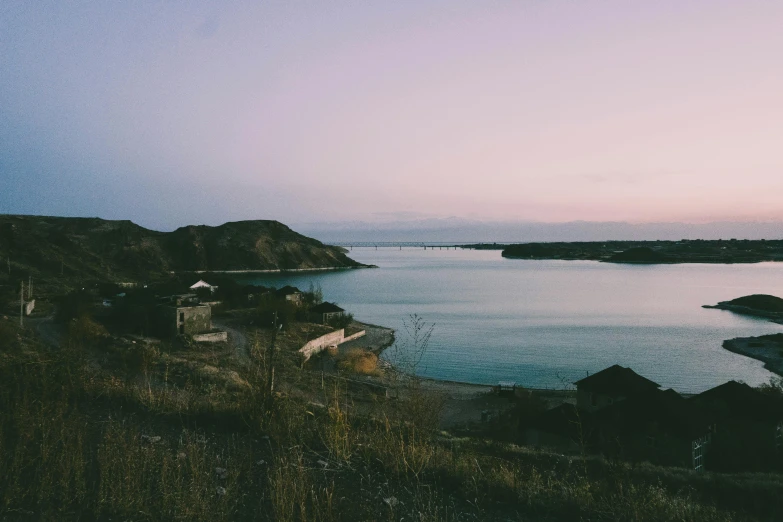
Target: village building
[183,315]
[203,284]
[564,428]
[290,293]
[747,427]
[609,386]
[325,312]
[658,426]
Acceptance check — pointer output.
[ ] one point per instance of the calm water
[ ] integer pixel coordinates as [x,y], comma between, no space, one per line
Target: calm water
[545,323]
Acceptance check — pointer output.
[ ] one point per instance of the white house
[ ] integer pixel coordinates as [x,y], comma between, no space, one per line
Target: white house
[203,284]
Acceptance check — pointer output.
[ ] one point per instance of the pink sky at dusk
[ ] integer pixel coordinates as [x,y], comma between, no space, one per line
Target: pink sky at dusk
[190,112]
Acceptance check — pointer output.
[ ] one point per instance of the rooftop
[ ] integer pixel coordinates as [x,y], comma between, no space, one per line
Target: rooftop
[326,308]
[737,399]
[617,380]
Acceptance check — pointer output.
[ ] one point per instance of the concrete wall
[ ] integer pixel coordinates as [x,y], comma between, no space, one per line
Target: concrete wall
[29,307]
[213,337]
[354,336]
[318,344]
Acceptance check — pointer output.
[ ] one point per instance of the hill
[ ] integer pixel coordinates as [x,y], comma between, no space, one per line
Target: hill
[763,302]
[93,248]
[760,305]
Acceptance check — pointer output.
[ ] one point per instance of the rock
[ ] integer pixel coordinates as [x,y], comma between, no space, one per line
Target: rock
[220,491]
[221,473]
[261,462]
[181,455]
[323,463]
[154,439]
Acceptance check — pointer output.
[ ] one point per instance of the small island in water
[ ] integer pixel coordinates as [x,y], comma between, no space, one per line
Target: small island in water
[646,252]
[765,348]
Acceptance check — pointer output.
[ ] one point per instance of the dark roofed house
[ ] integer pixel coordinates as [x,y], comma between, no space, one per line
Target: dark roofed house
[747,425]
[564,428]
[609,386]
[324,312]
[659,426]
[290,293]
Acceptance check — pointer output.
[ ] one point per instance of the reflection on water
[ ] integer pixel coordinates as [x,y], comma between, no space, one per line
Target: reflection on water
[546,323]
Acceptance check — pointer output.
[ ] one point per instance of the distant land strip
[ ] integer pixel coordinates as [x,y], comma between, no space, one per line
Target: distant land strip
[646,252]
[273,271]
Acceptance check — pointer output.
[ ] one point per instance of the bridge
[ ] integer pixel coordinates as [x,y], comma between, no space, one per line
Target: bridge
[396,244]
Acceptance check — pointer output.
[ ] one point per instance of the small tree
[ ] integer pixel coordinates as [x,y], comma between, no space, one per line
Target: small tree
[340,321]
[313,296]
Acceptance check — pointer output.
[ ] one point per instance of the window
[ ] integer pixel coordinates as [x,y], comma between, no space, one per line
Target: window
[182,328]
[182,317]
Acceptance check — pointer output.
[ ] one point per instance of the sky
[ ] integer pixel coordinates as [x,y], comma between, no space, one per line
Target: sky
[191,112]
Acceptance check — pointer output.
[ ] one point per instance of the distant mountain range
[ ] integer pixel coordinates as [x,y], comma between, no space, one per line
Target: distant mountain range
[459,230]
[93,248]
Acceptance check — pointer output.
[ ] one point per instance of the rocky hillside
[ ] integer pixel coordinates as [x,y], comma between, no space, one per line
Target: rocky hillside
[121,250]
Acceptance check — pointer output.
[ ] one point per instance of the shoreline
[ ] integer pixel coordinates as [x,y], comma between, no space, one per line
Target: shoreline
[274,270]
[759,348]
[774,317]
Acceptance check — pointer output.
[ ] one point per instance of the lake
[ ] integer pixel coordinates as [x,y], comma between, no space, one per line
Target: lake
[545,324]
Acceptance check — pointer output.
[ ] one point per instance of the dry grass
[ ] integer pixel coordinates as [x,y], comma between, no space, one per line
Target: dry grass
[358,361]
[81,443]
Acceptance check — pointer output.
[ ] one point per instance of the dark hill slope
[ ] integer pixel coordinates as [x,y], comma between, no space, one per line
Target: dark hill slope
[763,302]
[760,305]
[121,250]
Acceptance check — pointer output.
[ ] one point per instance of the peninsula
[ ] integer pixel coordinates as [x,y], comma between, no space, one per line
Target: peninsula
[104,250]
[765,348]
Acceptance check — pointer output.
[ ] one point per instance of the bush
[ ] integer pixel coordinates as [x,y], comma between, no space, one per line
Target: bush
[359,361]
[340,321]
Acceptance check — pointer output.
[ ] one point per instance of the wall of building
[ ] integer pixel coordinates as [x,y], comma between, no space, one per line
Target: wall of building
[587,401]
[187,320]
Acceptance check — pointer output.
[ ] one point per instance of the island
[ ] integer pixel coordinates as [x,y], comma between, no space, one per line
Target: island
[757,305]
[765,348]
[645,252]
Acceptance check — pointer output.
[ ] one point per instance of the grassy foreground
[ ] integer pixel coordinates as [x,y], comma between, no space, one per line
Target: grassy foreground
[95,431]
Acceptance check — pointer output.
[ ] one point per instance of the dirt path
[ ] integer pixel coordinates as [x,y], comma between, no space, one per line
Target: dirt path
[236,336]
[47,330]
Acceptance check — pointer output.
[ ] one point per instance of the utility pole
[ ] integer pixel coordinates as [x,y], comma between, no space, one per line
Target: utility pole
[270,367]
[21,305]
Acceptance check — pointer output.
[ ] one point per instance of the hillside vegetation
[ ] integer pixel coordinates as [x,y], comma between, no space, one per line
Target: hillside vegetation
[647,252]
[762,302]
[105,430]
[93,248]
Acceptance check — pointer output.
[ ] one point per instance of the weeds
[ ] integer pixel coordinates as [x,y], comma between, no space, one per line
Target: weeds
[156,440]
